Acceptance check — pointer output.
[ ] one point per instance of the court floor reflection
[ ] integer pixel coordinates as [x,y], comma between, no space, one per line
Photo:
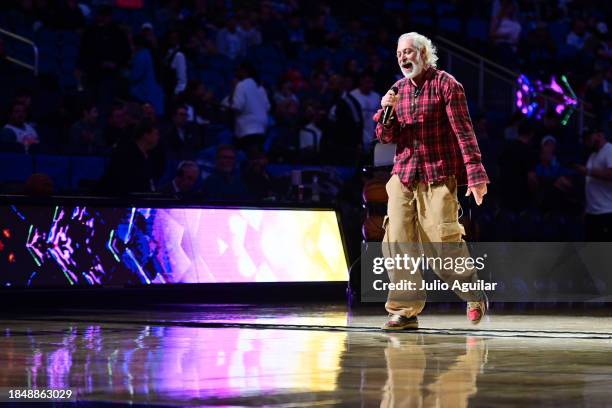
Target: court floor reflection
[173,365]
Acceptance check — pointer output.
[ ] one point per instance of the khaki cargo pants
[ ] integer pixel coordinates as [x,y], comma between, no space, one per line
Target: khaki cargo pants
[418,215]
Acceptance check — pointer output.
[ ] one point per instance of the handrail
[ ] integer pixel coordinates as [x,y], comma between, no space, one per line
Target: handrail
[33,67]
[478,56]
[495,74]
[512,74]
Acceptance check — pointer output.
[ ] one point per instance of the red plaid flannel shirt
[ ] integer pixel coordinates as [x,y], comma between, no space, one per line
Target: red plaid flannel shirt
[433,132]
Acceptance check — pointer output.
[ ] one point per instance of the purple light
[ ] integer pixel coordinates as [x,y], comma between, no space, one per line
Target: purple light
[524,110]
[519,103]
[559,108]
[525,88]
[555,86]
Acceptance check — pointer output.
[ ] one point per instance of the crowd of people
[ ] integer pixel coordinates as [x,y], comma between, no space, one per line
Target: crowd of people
[290,82]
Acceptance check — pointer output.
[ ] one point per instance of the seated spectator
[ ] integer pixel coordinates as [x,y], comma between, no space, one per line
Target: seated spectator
[249,101]
[86,135]
[182,138]
[143,82]
[224,183]
[184,183]
[199,102]
[17,130]
[257,180]
[39,185]
[287,103]
[117,125]
[149,113]
[133,167]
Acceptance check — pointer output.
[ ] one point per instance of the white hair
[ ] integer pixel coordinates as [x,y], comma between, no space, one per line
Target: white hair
[420,42]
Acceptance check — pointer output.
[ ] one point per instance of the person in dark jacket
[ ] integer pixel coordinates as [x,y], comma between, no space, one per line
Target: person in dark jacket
[133,165]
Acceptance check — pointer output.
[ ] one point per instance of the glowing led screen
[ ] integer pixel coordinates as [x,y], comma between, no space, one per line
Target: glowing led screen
[89,246]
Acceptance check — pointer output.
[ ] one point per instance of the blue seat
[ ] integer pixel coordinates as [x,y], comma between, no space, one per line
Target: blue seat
[15,166]
[444,9]
[56,167]
[418,6]
[449,25]
[86,168]
[477,29]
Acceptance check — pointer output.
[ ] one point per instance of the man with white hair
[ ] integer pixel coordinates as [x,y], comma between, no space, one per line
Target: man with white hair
[436,151]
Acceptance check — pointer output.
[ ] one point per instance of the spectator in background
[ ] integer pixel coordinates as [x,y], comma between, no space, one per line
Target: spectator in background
[86,136]
[286,103]
[553,183]
[295,35]
[174,66]
[148,113]
[598,187]
[224,183]
[230,41]
[249,102]
[104,53]
[257,180]
[147,31]
[345,127]
[369,102]
[198,101]
[505,33]
[517,170]
[17,130]
[182,137]
[311,133]
[598,93]
[132,168]
[578,36]
[184,183]
[143,82]
[39,185]
[117,125]
[248,31]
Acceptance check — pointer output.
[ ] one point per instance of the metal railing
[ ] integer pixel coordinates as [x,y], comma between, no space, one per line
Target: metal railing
[494,85]
[32,67]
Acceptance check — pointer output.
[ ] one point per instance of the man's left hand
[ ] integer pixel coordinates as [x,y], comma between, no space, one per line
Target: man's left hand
[478,190]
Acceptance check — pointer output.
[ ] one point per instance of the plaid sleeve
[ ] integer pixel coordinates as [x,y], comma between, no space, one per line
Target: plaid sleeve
[459,118]
[385,134]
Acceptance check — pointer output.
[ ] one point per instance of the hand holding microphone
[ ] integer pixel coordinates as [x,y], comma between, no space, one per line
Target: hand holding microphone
[388,104]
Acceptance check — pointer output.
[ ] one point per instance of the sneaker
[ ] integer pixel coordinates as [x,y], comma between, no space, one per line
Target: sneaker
[397,322]
[477,310]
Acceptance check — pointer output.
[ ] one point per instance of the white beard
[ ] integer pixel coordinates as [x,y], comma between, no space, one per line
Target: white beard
[417,68]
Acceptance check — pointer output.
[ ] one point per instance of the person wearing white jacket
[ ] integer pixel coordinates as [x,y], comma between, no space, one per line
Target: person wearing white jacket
[250,105]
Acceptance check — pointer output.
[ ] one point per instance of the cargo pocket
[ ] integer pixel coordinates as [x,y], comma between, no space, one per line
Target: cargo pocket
[451,231]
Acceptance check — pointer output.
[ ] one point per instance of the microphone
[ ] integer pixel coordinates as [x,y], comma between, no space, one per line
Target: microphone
[389,109]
